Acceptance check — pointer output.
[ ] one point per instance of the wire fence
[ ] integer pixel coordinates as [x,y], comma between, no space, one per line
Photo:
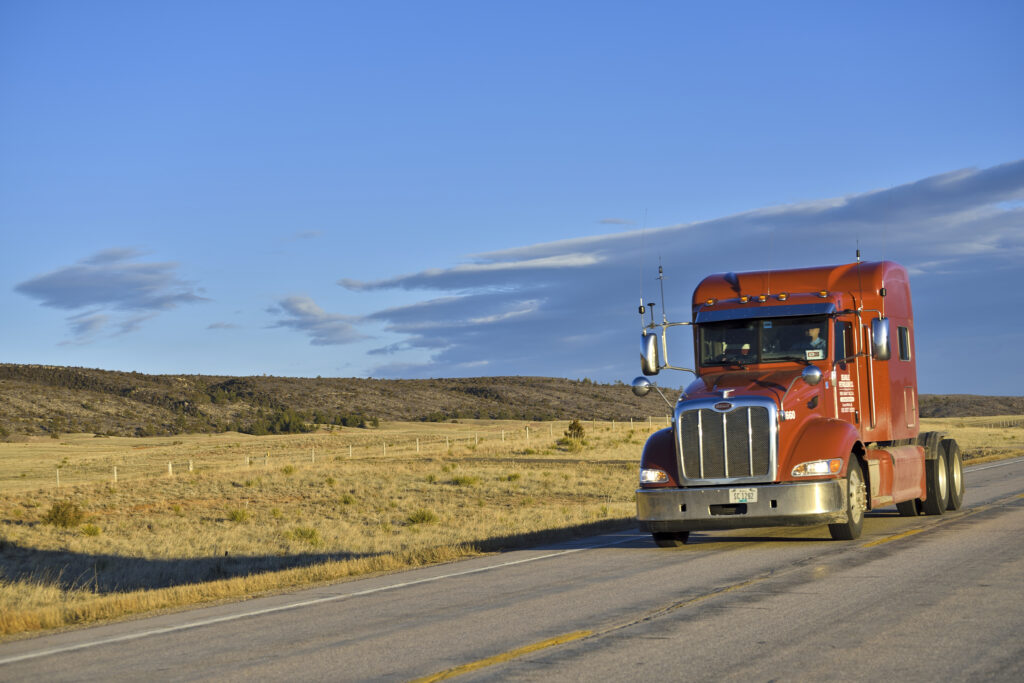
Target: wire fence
[62,470]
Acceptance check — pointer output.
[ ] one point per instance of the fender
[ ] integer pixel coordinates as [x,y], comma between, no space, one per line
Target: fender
[660,452]
[820,439]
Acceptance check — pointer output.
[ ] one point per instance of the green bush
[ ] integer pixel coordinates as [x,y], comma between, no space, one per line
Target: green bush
[90,530]
[64,513]
[238,515]
[422,516]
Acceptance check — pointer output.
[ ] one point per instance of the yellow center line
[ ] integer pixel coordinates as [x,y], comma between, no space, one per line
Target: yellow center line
[894,537]
[503,657]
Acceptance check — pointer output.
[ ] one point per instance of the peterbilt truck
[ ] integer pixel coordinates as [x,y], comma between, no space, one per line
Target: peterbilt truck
[804,410]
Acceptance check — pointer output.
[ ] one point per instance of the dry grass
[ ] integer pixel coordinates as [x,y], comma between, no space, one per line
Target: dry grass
[303,510]
[300,512]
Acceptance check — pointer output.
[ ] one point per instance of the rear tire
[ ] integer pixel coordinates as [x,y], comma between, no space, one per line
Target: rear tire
[955,467]
[936,476]
[856,504]
[670,539]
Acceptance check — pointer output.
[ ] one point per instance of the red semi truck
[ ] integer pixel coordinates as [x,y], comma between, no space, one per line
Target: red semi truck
[804,410]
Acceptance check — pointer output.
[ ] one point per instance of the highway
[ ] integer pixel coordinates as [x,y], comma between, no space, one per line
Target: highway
[914,599]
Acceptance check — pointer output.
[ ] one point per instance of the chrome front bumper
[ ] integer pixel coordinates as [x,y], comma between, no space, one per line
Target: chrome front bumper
[694,509]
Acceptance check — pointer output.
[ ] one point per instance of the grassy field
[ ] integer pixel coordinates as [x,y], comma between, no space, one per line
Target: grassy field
[199,518]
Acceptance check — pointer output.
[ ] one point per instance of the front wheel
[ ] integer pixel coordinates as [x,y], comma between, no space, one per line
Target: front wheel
[856,504]
[670,539]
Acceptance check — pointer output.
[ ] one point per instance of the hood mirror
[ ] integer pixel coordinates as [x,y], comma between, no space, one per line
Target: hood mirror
[641,386]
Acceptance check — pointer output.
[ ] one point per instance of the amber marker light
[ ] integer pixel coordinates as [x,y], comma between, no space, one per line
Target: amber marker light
[744,299]
[823,294]
[711,302]
[783,296]
[653,476]
[762,298]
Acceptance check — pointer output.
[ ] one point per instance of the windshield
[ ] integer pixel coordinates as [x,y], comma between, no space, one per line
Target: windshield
[767,340]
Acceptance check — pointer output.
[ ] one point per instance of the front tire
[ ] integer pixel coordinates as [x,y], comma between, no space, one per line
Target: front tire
[856,504]
[670,539]
[955,467]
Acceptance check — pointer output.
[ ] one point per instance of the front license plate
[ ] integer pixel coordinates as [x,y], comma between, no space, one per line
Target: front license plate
[742,495]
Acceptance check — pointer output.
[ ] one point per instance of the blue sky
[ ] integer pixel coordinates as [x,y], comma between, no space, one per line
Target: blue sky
[409,189]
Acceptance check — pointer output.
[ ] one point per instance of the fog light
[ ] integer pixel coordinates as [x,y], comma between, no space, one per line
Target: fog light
[653,476]
[818,468]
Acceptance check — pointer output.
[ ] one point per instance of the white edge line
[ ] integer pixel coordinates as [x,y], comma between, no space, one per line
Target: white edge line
[295,605]
[1001,463]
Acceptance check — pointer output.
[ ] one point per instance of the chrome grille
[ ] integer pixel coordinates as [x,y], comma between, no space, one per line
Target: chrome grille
[728,445]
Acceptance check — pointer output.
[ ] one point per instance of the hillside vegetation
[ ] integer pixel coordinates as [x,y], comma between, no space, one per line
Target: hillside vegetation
[41,400]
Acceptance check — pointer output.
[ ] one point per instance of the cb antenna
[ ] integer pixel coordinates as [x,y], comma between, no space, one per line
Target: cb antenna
[661,283]
[860,282]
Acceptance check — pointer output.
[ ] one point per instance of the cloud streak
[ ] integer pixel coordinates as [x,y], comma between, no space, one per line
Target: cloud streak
[112,288]
[324,329]
[568,307]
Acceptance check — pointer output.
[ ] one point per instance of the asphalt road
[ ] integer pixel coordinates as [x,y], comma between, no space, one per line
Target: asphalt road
[916,599]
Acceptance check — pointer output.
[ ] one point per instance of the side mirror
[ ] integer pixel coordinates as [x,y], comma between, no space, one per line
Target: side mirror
[811,375]
[880,339]
[648,356]
[641,386]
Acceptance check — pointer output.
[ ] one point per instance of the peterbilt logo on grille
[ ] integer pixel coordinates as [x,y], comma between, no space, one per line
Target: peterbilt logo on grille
[723,406]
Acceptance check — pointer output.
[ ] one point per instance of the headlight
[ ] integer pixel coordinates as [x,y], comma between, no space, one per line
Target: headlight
[652,476]
[818,468]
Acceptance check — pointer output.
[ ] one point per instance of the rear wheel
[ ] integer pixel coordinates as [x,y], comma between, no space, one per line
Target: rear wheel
[856,504]
[955,468]
[670,539]
[936,477]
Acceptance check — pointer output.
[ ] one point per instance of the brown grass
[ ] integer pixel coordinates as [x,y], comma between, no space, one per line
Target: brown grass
[304,511]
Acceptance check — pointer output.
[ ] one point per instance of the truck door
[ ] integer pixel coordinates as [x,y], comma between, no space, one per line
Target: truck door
[845,396]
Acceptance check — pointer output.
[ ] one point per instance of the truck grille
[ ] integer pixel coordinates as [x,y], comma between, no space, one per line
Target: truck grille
[718,445]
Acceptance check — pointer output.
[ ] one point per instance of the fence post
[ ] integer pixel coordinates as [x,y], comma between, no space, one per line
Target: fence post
[189,465]
[503,436]
[115,474]
[385,447]
[527,435]
[58,479]
[266,459]
[312,456]
[417,444]
[170,470]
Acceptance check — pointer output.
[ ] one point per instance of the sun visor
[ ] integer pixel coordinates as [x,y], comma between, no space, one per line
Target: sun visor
[753,311]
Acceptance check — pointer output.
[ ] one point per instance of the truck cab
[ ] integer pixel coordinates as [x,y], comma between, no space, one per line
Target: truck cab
[803,410]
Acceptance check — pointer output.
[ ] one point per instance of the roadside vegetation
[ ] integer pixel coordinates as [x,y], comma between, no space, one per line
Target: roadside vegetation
[260,514]
[199,518]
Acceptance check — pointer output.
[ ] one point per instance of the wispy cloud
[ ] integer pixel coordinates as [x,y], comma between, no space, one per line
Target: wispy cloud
[222,326]
[115,287]
[527,310]
[324,329]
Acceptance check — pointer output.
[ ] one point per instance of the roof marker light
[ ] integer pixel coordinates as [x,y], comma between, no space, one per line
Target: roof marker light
[762,298]
[711,302]
[744,299]
[823,294]
[783,296]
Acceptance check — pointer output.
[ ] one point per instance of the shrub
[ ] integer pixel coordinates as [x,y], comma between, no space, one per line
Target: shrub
[422,516]
[64,513]
[347,499]
[464,480]
[307,534]
[90,530]
[288,470]
[238,515]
